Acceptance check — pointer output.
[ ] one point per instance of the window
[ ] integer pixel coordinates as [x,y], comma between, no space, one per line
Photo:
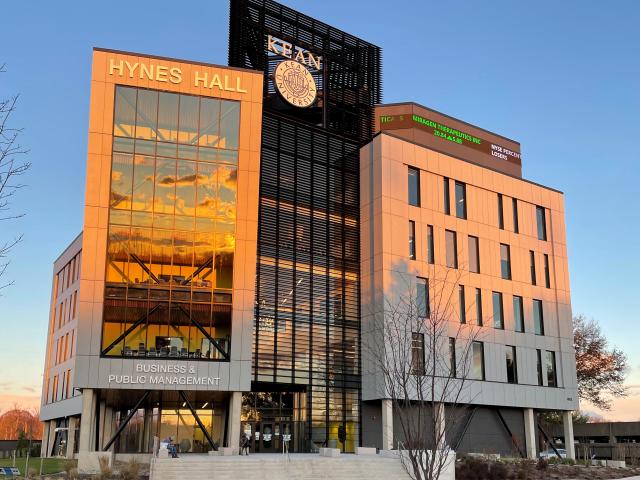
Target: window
[447,200]
[500,213]
[477,362]
[518,314]
[462,304]
[498,316]
[412,240]
[452,357]
[539,366]
[451,242]
[532,256]
[516,226]
[422,300]
[512,365]
[474,254]
[479,307]
[505,261]
[461,200]
[430,252]
[417,354]
[552,378]
[547,276]
[538,320]
[414,186]
[541,220]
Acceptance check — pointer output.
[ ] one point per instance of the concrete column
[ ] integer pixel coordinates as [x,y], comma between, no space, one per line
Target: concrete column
[235,405]
[440,425]
[45,439]
[71,436]
[567,423]
[108,425]
[101,437]
[530,432]
[387,425]
[87,422]
[52,437]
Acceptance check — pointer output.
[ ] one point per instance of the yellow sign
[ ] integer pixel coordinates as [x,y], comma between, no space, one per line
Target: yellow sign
[294,82]
[211,79]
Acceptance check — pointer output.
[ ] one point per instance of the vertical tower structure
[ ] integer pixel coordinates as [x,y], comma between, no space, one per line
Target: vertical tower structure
[320,88]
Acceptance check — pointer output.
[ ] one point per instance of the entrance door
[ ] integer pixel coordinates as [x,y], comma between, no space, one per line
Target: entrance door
[268,437]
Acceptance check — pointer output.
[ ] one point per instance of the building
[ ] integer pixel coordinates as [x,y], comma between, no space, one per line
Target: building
[443,202]
[218,286]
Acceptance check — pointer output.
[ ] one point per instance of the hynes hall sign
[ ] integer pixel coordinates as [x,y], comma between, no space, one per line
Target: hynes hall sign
[163,374]
[226,82]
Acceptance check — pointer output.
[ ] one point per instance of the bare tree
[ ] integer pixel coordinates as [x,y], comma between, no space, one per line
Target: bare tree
[422,349]
[601,370]
[11,168]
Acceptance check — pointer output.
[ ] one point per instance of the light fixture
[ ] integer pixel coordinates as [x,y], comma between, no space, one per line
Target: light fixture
[205,405]
[184,404]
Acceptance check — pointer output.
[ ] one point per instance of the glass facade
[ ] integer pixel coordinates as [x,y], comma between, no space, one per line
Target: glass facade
[171,237]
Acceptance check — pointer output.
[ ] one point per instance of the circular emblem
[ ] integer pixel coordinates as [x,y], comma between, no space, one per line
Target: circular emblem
[294,82]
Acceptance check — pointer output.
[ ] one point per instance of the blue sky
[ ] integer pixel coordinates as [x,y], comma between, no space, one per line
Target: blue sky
[560,77]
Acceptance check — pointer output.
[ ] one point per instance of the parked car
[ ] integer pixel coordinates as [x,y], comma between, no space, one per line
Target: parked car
[551,454]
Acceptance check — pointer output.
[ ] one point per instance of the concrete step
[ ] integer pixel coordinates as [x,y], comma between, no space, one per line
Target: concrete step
[276,467]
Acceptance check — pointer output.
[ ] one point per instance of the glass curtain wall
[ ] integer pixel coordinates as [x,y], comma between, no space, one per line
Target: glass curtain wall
[307,291]
[172,217]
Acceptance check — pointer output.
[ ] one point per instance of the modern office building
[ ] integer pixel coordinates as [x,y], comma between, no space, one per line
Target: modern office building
[219,284]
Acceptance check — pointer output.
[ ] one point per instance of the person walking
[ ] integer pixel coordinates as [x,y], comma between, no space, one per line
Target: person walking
[244,445]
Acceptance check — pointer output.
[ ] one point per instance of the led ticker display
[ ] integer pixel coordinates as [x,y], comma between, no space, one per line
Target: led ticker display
[449,134]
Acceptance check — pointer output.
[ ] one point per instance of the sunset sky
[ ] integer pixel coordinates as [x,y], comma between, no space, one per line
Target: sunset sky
[559,77]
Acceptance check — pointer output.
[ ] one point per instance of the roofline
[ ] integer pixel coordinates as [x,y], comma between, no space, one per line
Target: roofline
[171,59]
[449,116]
[68,246]
[387,132]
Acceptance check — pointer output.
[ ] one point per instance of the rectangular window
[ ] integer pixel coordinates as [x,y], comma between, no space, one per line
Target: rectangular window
[474,254]
[541,220]
[452,357]
[430,252]
[498,316]
[552,377]
[518,314]
[532,257]
[461,200]
[462,303]
[477,362]
[516,225]
[505,261]
[539,366]
[414,186]
[512,365]
[422,301]
[479,319]
[412,240]
[447,198]
[547,275]
[417,354]
[452,248]
[538,319]
[500,213]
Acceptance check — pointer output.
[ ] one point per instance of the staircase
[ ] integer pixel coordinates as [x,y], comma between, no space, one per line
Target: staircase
[278,467]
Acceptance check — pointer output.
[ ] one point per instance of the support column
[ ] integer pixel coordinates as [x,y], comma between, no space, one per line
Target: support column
[440,426]
[235,405]
[567,423]
[530,432]
[44,446]
[71,436]
[108,426]
[387,425]
[87,422]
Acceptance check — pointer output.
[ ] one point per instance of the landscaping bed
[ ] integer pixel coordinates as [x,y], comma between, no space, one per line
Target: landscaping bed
[469,468]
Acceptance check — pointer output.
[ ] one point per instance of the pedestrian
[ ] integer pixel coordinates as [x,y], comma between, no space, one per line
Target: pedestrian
[244,445]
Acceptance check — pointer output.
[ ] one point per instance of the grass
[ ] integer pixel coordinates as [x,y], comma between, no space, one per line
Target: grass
[49,465]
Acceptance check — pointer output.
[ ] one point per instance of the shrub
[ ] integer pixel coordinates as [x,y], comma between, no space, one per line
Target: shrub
[131,470]
[68,466]
[105,469]
[542,464]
